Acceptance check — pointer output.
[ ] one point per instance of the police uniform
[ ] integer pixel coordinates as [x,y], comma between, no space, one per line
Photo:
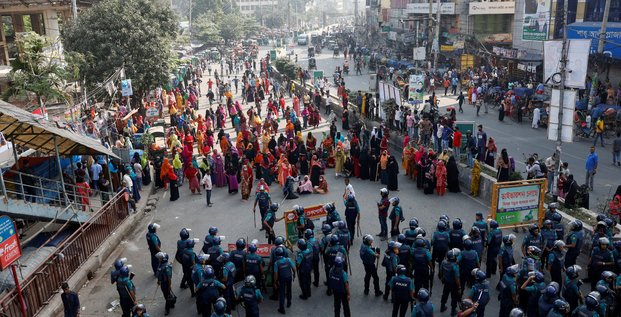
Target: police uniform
[410,236]
[367,255]
[304,262]
[532,240]
[583,311]
[197,273]
[270,218]
[164,277]
[187,263]
[423,309]
[421,257]
[507,288]
[478,245]
[402,289]
[382,209]
[506,256]
[405,258]
[482,225]
[533,293]
[179,253]
[389,262]
[450,279]
[440,243]
[208,243]
[480,293]
[250,296]
[595,268]
[344,237]
[316,253]
[207,294]
[548,236]
[468,262]
[283,268]
[254,267]
[228,278]
[456,240]
[351,214]
[338,281]
[575,237]
[494,243]
[556,261]
[571,292]
[396,216]
[238,257]
[125,286]
[154,243]
[333,216]
[214,252]
[263,199]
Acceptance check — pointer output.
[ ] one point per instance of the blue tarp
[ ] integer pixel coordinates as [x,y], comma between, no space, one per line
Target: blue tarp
[591,30]
[601,108]
[523,92]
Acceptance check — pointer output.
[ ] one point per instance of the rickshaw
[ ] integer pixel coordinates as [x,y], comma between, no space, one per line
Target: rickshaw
[318,49]
[312,63]
[311,52]
[336,52]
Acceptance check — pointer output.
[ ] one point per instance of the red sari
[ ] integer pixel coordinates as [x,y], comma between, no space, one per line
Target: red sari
[191,174]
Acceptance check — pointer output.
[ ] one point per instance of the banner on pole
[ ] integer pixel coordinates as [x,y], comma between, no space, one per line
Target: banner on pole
[10,250]
[518,203]
[126,88]
[312,213]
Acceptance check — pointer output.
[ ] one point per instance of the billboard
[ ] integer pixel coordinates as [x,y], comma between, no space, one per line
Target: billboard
[10,250]
[591,31]
[126,88]
[311,212]
[518,203]
[536,20]
[567,123]
[416,89]
[577,62]
[445,8]
[496,7]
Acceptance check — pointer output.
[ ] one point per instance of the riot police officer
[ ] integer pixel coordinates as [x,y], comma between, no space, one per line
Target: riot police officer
[208,291]
[264,201]
[344,235]
[440,241]
[254,265]
[424,306]
[396,216]
[480,291]
[533,238]
[505,257]
[390,262]
[494,242]
[368,255]
[480,223]
[423,267]
[507,289]
[302,222]
[199,269]
[469,261]
[532,288]
[571,287]
[214,252]
[127,291]
[229,271]
[560,309]
[268,222]
[457,235]
[334,249]
[590,307]
[382,209]
[164,280]
[250,295]
[118,264]
[219,308]
[402,291]
[547,298]
[573,243]
[188,259]
[410,234]
[421,234]
[601,259]
[556,260]
[405,256]
[352,215]
[154,243]
[184,235]
[548,234]
[284,273]
[309,235]
[208,242]
[140,311]
[449,276]
[333,215]
[558,226]
[238,257]
[478,243]
[338,282]
[304,263]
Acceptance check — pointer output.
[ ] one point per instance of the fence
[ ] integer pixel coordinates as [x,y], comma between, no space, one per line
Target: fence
[45,281]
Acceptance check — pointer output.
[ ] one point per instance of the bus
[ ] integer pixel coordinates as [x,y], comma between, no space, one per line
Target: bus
[303,39]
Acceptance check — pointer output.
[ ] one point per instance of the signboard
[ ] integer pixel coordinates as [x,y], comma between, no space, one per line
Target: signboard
[416,89]
[497,7]
[466,61]
[509,52]
[317,75]
[577,62]
[126,88]
[273,55]
[263,249]
[419,53]
[465,126]
[519,203]
[152,112]
[311,212]
[445,8]
[386,28]
[567,124]
[10,250]
[536,20]
[591,31]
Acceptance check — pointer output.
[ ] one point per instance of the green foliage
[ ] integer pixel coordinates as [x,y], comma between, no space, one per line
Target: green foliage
[38,71]
[286,67]
[206,30]
[136,34]
[515,176]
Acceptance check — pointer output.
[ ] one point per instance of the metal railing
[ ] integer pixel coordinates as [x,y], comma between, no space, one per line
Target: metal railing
[35,189]
[45,280]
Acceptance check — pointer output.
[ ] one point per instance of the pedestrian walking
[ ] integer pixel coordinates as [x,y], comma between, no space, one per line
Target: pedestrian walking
[71,301]
[460,100]
[616,150]
[599,131]
[338,282]
[591,167]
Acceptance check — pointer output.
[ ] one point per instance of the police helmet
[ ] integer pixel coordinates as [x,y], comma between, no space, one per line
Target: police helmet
[299,209]
[516,312]
[326,229]
[384,192]
[202,258]
[401,270]
[533,251]
[475,231]
[274,207]
[552,205]
[139,307]
[575,225]
[557,217]
[220,306]
[252,248]
[513,270]
[394,200]
[573,271]
[338,261]
[213,230]
[240,244]
[341,224]
[250,281]
[551,290]
[329,207]
[604,241]
[600,217]
[334,239]
[184,234]
[367,239]
[451,256]
[441,225]
[592,300]
[217,240]
[163,257]
[457,224]
[209,272]
[118,264]
[124,271]
[559,244]
[609,222]
[302,244]
[532,228]
[224,257]
[608,275]
[190,243]
[548,222]
[413,223]
[391,245]
[419,242]
[478,214]
[602,289]
[401,238]
[308,233]
[561,305]
[280,252]
[466,303]
[351,198]
[423,295]
[480,275]
[279,240]
[468,244]
[446,218]
[493,224]
[262,188]
[152,227]
[421,231]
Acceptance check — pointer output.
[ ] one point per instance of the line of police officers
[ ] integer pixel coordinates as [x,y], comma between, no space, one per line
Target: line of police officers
[409,262]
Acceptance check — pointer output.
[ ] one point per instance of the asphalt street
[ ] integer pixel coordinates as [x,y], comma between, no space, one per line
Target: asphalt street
[234,218]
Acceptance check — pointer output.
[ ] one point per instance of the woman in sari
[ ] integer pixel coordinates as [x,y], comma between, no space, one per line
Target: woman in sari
[218,169]
[284,170]
[246,180]
[165,172]
[322,187]
[231,177]
[441,178]
[328,151]
[178,169]
[339,160]
[224,144]
[305,186]
[311,142]
[476,177]
[383,165]
[315,170]
[84,192]
[191,174]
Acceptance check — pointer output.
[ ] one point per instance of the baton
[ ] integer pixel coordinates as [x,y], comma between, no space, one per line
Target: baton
[358,229]
[254,211]
[349,266]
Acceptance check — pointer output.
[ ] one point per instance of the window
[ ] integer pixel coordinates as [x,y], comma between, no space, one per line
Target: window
[594,11]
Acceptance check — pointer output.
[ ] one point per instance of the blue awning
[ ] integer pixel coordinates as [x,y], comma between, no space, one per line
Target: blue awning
[591,30]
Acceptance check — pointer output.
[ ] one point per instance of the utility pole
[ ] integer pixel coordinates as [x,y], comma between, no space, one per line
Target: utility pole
[430,31]
[74,8]
[190,23]
[600,50]
[437,37]
[561,100]
[355,13]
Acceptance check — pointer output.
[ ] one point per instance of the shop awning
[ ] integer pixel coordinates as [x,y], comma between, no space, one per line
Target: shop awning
[34,132]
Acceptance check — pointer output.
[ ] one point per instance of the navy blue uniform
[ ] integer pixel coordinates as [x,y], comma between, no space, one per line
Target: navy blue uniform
[154,243]
[338,281]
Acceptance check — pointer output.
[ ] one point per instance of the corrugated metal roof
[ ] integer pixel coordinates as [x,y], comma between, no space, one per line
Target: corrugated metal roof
[34,132]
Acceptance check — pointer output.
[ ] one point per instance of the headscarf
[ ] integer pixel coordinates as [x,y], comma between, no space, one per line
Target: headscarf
[165,169]
[177,162]
[384,160]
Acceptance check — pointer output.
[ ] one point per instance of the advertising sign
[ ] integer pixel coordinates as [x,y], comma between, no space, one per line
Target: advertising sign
[126,87]
[567,123]
[536,20]
[311,212]
[445,8]
[591,31]
[577,62]
[496,7]
[152,112]
[518,203]
[317,75]
[416,89]
[10,250]
[263,249]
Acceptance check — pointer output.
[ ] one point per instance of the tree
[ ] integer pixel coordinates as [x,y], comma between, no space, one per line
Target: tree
[38,72]
[206,30]
[135,34]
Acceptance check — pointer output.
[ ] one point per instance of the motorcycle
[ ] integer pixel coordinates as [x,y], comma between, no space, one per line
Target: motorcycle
[346,69]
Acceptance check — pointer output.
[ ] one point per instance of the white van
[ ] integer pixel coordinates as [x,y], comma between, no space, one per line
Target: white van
[303,39]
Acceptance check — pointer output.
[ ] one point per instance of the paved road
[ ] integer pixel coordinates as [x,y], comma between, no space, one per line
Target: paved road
[518,139]
[234,218]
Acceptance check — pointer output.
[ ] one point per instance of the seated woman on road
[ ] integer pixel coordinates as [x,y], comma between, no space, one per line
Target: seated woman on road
[323,186]
[305,186]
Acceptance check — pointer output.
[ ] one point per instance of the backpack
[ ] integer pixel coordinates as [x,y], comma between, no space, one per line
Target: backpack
[309,224]
[543,168]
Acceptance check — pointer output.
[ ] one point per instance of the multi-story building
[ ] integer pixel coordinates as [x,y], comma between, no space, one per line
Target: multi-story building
[252,7]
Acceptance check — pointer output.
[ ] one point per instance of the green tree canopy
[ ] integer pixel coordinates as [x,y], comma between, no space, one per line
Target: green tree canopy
[137,34]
